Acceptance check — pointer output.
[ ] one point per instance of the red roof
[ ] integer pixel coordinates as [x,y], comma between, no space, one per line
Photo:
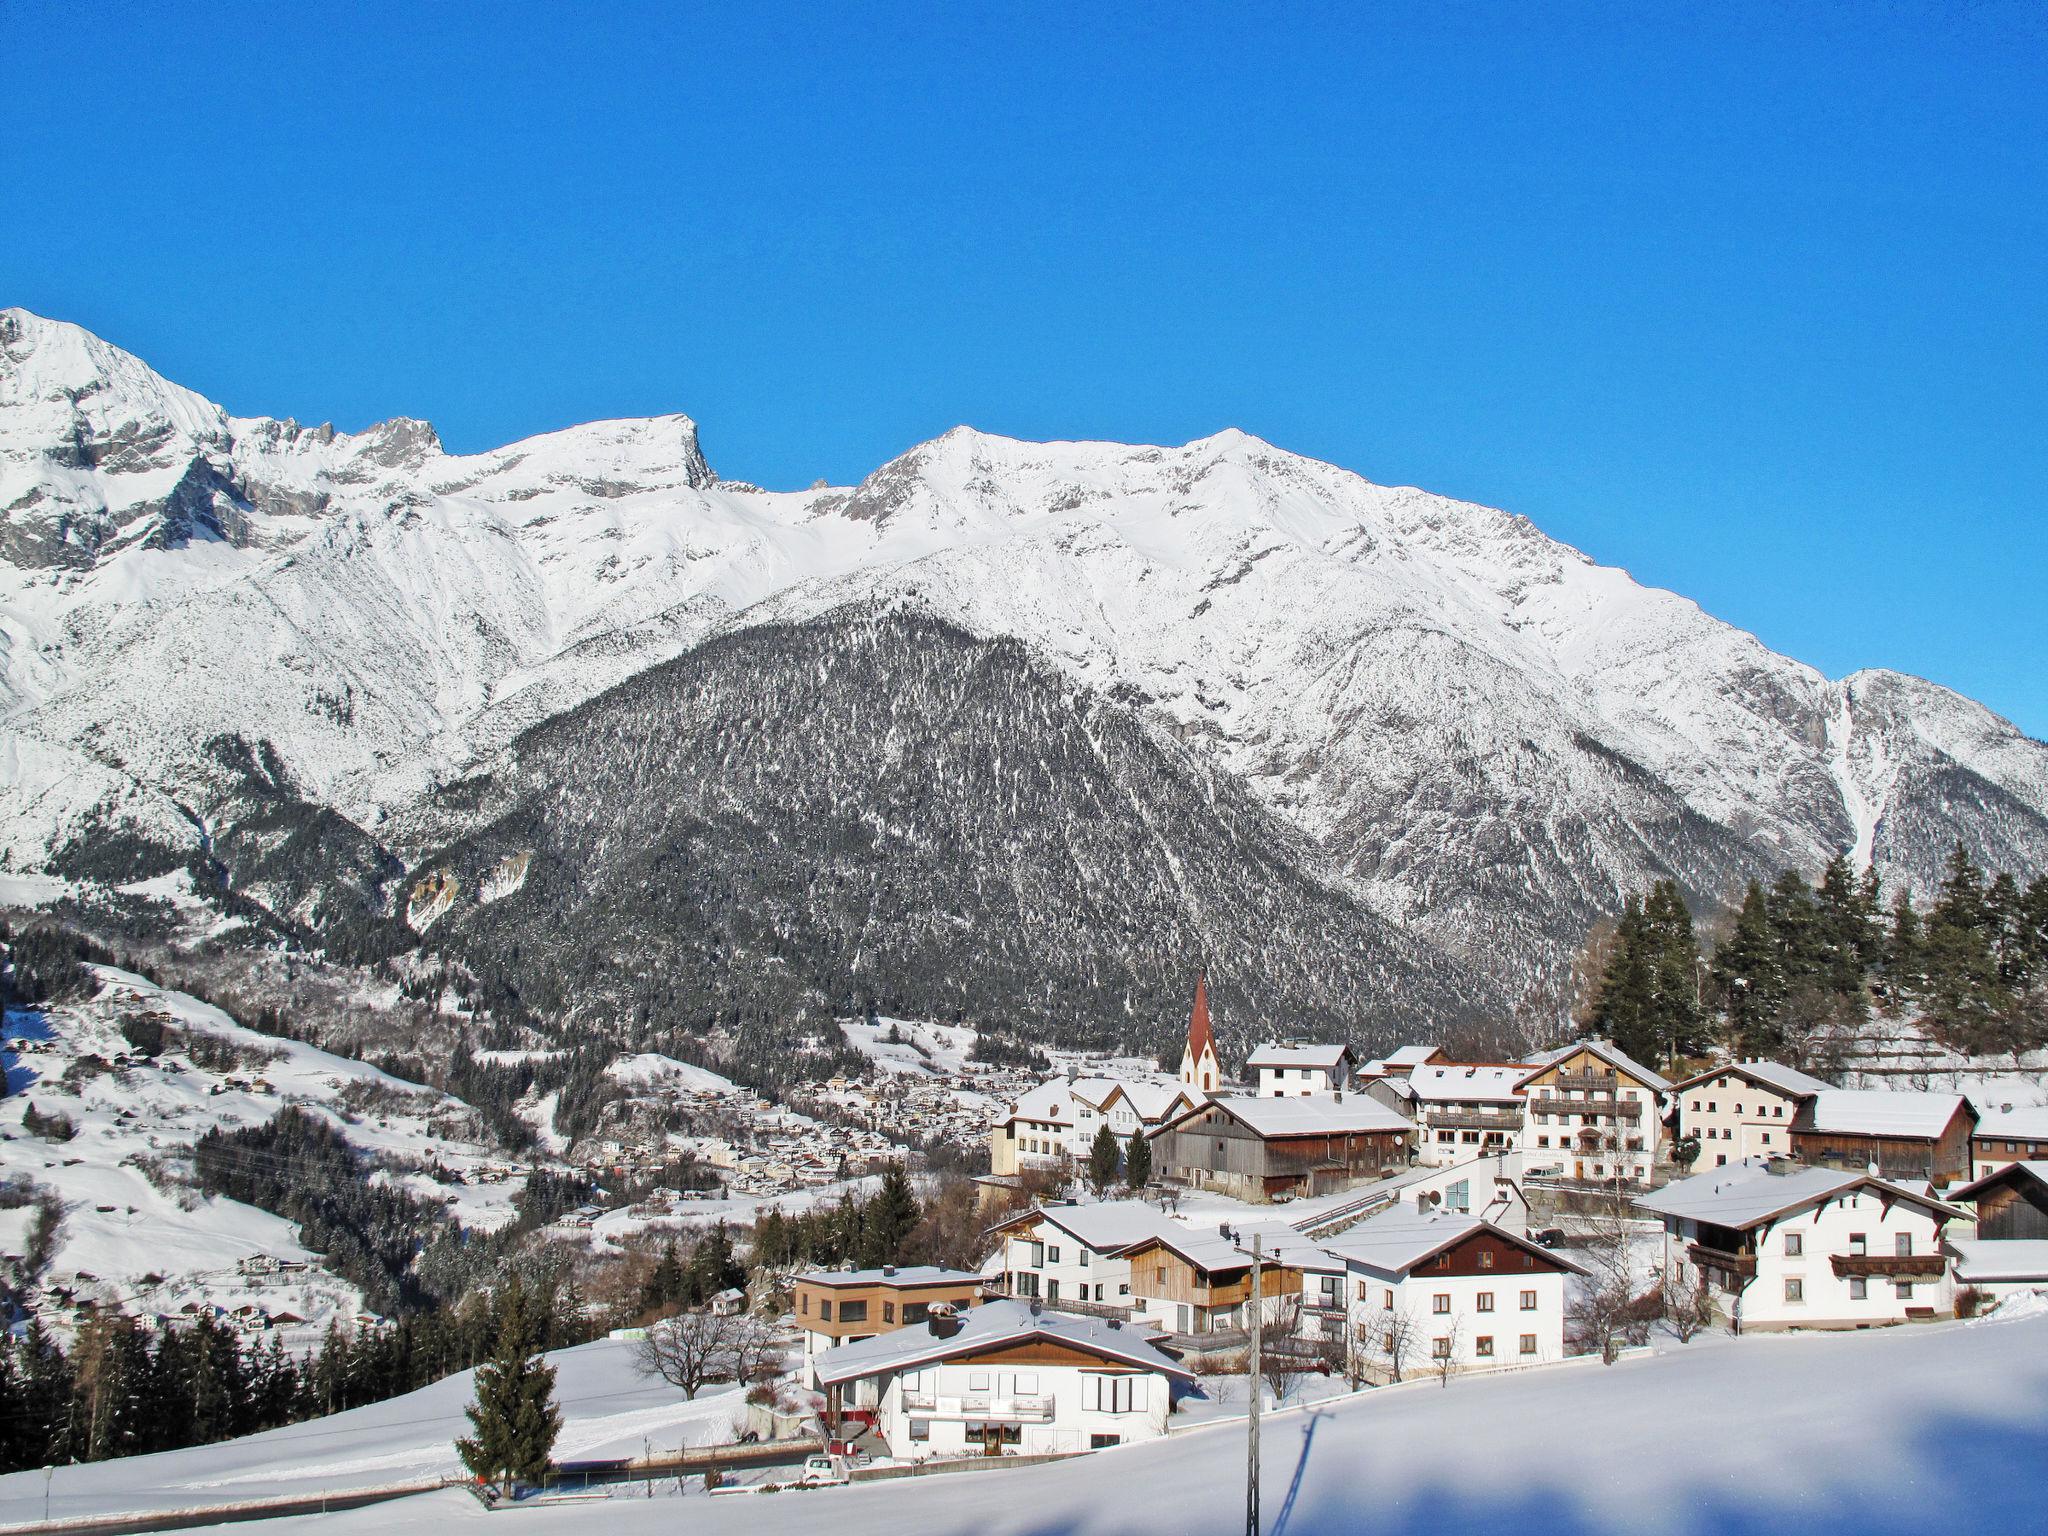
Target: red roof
[1199,1037]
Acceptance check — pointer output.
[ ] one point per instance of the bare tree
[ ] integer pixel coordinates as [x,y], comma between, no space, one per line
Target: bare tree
[693,1348]
[1686,1307]
[1387,1341]
[1282,1369]
[1443,1350]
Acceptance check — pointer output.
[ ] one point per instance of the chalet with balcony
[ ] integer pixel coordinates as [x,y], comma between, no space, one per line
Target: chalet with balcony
[1743,1110]
[1902,1135]
[1191,1282]
[1008,1378]
[1273,1149]
[1780,1245]
[1593,1113]
[2008,1133]
[836,1307]
[1462,1110]
[1283,1071]
[1428,1286]
[1074,1256]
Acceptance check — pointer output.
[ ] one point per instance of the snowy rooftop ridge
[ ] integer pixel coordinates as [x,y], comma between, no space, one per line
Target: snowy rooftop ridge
[1879,1112]
[992,1326]
[1753,1191]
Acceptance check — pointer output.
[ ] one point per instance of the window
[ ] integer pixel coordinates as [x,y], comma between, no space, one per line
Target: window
[853,1311]
[977,1381]
[1486,1301]
[1052,1254]
[1795,1245]
[920,1429]
[1528,1343]
[1542,1141]
[803,1301]
[1084,1257]
[1035,1254]
[1361,1290]
[1113,1394]
[1767,1138]
[1440,1348]
[1486,1258]
[1795,1290]
[825,1308]
[1902,1245]
[888,1311]
[919,1311]
[1903,1289]
[1440,1304]
[1103,1442]
[1528,1301]
[1483,1346]
[1859,1288]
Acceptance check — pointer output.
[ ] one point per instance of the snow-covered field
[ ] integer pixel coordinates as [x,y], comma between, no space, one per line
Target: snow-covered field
[122,1227]
[1939,1428]
[608,1410]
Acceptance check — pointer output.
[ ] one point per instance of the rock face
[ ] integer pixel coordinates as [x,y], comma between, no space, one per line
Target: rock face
[1468,736]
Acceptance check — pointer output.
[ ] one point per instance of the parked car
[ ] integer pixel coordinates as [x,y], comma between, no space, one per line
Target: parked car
[824,1470]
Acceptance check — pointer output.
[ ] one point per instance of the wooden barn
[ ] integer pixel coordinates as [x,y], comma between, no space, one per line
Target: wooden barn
[2011,1204]
[1903,1135]
[1275,1149]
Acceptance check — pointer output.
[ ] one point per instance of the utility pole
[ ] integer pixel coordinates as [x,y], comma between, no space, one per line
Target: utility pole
[1251,1472]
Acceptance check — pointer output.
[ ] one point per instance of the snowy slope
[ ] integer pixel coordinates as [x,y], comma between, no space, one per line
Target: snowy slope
[1487,732]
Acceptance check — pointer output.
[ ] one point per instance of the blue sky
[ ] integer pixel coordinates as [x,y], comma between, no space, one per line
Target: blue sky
[1752,301]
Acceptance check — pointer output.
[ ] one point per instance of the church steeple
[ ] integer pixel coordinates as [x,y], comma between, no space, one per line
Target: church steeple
[1199,1066]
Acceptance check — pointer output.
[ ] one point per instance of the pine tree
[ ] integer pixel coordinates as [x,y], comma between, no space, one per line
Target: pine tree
[1747,977]
[1138,1162]
[514,1415]
[887,1219]
[1103,1156]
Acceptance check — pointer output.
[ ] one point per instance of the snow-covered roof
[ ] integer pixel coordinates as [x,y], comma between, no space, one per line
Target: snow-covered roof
[1104,1227]
[1153,1102]
[1607,1051]
[1213,1250]
[1982,1259]
[906,1274]
[2021,1122]
[1049,1102]
[994,1326]
[1771,1074]
[1401,1237]
[1401,1059]
[1747,1193]
[1272,1054]
[1454,1083]
[1317,1116]
[1875,1112]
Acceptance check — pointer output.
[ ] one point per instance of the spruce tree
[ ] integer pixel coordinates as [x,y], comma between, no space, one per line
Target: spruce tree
[887,1219]
[1103,1156]
[1138,1162]
[1747,977]
[514,1415]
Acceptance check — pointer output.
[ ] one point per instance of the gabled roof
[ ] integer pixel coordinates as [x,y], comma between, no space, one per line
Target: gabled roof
[1747,1194]
[1153,1102]
[1402,1059]
[997,1325]
[1214,1251]
[1774,1075]
[1607,1051]
[1354,1114]
[1457,1083]
[1982,1260]
[1868,1112]
[1049,1102]
[2021,1122]
[1397,1240]
[2032,1172]
[1273,1054]
[1108,1226]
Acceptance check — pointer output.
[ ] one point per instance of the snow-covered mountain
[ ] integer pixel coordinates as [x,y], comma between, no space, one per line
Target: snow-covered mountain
[1480,734]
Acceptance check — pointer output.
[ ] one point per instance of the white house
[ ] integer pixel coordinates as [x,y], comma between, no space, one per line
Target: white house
[1593,1113]
[1743,1110]
[1058,1120]
[1291,1071]
[1780,1245]
[1067,1254]
[1429,1286]
[2008,1133]
[1465,1110]
[1009,1379]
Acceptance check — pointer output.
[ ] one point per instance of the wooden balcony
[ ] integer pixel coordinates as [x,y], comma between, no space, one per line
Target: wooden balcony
[1586,1082]
[1741,1265]
[1898,1266]
[1504,1121]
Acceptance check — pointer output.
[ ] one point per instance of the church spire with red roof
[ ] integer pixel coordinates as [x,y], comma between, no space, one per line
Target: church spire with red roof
[1199,1066]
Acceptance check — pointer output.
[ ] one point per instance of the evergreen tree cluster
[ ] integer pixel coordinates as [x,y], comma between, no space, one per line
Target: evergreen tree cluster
[123,1389]
[866,1233]
[1804,964]
[679,1283]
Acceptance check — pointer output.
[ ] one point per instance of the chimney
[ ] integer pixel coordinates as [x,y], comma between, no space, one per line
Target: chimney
[943,1320]
[889,1271]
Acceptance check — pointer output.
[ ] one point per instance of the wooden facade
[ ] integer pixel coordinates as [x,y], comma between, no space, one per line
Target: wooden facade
[870,1306]
[1213,1149]
[2012,1204]
[1939,1159]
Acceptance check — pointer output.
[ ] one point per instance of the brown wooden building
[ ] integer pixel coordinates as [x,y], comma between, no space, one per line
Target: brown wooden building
[2011,1204]
[1196,1282]
[839,1306]
[1268,1149]
[1905,1135]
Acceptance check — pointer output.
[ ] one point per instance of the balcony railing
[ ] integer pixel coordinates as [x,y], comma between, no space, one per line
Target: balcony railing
[1591,1109]
[1742,1265]
[919,1402]
[1890,1264]
[1586,1082]
[1122,1314]
[1474,1120]
[980,1406]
